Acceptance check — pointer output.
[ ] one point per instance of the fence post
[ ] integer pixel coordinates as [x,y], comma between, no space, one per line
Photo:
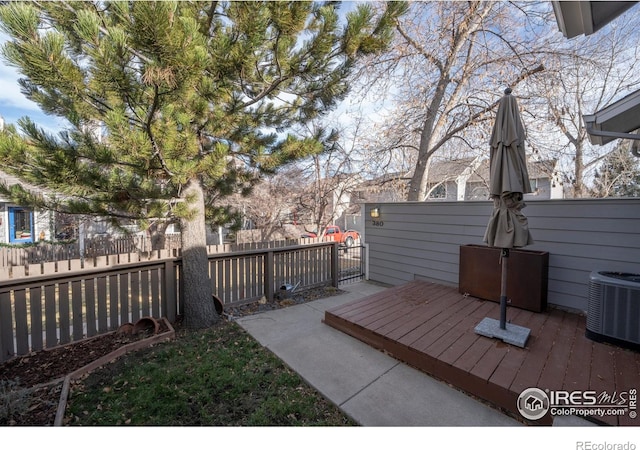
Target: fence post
[7,348]
[169,297]
[366,262]
[269,271]
[335,281]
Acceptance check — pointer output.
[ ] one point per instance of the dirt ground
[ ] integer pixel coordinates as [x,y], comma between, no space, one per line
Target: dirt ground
[30,386]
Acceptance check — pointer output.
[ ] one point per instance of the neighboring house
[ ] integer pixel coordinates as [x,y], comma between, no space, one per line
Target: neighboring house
[344,200]
[16,224]
[19,224]
[542,176]
[460,179]
[447,180]
[387,188]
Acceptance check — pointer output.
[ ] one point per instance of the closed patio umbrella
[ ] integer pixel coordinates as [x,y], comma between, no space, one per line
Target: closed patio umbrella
[508,227]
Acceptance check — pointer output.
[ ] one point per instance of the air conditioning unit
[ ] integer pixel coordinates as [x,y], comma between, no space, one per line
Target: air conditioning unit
[613,313]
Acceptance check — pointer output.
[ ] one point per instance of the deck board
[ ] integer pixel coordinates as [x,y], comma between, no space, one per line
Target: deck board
[510,365]
[602,373]
[554,372]
[459,339]
[416,316]
[446,308]
[536,358]
[576,378]
[431,327]
[399,315]
[474,353]
[444,335]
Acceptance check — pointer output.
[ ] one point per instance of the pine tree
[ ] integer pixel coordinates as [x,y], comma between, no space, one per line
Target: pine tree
[174,104]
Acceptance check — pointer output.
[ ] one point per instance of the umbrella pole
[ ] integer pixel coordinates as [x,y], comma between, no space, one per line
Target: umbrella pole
[504,258]
[489,327]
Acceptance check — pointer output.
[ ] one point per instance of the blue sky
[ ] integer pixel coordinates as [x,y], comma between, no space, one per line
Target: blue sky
[14,105]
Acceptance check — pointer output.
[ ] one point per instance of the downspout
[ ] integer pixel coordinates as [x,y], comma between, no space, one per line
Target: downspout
[635,146]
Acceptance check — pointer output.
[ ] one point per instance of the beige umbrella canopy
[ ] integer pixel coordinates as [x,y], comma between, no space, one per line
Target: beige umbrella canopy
[508,178]
[508,227]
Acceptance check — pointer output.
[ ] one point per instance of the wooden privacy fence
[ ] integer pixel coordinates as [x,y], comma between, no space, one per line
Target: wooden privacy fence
[39,312]
[13,258]
[93,247]
[243,277]
[22,256]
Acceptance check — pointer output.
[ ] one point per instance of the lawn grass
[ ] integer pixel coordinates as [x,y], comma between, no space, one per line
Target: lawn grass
[216,377]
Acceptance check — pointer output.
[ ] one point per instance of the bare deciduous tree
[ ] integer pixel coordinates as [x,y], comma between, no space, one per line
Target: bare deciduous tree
[446,71]
[329,179]
[583,76]
[270,203]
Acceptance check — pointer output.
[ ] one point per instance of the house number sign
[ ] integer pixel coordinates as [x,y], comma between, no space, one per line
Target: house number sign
[378,223]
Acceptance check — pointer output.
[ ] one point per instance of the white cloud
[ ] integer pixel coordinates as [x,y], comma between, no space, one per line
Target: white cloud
[14,105]
[10,95]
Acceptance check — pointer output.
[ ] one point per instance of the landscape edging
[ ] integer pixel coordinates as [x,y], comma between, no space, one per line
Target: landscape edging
[142,343]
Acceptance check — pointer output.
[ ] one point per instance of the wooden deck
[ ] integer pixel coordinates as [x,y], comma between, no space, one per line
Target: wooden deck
[431,327]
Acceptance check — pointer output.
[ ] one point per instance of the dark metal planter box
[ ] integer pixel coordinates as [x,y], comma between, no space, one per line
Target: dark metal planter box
[527,276]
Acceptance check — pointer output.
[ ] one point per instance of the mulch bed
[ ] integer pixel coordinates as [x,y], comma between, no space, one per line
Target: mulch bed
[294,298]
[30,386]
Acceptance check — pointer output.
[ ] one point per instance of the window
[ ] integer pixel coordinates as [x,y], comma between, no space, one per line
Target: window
[20,225]
[440,191]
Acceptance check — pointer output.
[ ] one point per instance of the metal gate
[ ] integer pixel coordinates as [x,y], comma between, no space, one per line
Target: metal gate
[351,264]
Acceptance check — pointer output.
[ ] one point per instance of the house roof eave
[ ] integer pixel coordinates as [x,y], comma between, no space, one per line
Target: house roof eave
[616,121]
[585,17]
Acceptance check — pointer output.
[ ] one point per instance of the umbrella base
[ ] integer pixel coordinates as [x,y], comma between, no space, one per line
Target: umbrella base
[513,334]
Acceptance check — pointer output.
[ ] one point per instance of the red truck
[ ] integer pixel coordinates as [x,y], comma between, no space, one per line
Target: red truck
[347,238]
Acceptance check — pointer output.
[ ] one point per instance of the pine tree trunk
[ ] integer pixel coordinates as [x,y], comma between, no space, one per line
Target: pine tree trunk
[199,309]
[157,235]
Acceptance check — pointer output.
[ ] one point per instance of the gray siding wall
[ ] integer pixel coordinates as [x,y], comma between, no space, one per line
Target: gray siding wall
[422,240]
